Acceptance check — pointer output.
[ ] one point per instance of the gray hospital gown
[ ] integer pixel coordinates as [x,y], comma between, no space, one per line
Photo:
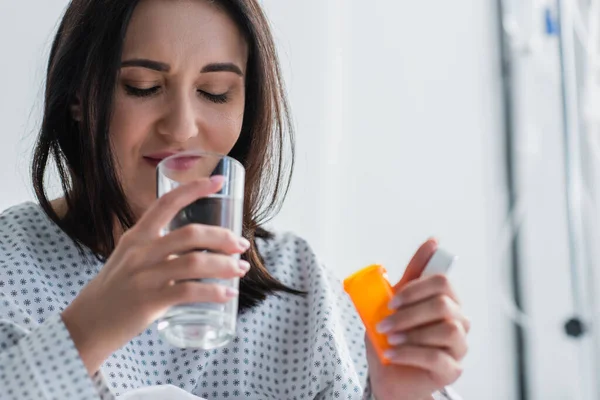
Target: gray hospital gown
[289,347]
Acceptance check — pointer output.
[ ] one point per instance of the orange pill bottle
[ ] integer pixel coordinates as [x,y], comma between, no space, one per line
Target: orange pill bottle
[371,293]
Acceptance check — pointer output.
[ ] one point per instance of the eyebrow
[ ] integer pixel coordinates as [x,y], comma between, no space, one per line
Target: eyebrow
[222,67]
[163,67]
[149,64]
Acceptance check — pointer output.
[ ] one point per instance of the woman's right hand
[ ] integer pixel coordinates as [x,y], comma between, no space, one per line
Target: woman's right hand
[142,278]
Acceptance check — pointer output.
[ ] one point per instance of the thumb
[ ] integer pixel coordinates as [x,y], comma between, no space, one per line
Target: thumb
[418,263]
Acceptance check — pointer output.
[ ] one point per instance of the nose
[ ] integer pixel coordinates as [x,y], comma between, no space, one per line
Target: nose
[180,121]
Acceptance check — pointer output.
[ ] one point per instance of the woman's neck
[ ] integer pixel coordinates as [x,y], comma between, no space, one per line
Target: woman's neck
[61,208]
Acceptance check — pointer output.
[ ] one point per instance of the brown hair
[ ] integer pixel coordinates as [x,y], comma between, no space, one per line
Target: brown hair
[83,66]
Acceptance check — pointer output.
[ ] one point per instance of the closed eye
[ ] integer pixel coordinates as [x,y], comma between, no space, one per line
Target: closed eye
[139,92]
[215,98]
[147,92]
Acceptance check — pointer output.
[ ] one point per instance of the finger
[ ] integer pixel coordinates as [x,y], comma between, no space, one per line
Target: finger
[199,265]
[167,206]
[435,309]
[443,369]
[194,237]
[197,292]
[418,263]
[466,322]
[424,288]
[448,335]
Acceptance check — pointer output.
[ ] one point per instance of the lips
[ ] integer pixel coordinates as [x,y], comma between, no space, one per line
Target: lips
[155,159]
[152,161]
[180,163]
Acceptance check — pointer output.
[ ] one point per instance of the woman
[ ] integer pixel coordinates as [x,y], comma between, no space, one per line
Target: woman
[83,277]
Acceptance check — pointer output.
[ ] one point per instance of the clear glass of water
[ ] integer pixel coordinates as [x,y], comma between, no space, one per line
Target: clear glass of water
[203,325]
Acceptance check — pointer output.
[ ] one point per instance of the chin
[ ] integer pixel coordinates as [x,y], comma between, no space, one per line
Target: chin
[139,187]
[140,202]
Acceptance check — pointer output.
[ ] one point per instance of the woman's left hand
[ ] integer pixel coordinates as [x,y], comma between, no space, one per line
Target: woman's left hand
[427,332]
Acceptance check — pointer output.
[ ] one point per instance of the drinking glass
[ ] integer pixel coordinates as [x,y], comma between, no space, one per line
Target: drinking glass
[203,325]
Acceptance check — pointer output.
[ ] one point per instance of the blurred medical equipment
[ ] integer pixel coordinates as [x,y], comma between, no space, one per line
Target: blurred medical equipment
[559,40]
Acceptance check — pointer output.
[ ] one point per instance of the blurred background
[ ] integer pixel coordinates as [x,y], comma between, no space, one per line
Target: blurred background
[472,121]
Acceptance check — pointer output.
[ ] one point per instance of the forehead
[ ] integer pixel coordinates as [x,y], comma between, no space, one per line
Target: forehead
[183,31]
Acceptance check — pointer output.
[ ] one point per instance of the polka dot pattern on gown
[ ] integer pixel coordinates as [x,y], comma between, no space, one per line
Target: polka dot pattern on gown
[289,347]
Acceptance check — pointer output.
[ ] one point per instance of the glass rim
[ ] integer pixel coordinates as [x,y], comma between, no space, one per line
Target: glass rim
[161,166]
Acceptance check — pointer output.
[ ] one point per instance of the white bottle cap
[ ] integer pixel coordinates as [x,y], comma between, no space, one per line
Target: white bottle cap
[440,263]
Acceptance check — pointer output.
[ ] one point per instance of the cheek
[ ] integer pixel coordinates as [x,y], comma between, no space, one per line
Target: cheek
[224,128]
[128,129]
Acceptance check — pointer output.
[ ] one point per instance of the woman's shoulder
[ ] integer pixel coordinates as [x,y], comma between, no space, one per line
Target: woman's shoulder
[21,220]
[17,236]
[291,259]
[282,245]
[25,228]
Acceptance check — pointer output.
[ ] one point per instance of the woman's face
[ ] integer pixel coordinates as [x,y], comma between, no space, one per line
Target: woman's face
[181,86]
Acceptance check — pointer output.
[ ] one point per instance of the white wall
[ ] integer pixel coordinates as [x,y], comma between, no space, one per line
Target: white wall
[397,113]
[416,151]
[25,39]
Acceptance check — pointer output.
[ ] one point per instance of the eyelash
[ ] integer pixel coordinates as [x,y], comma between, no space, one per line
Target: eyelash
[137,92]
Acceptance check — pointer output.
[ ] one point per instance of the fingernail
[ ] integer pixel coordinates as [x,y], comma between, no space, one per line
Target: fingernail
[231,292]
[390,354]
[217,179]
[244,244]
[384,326]
[395,303]
[244,265]
[396,339]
